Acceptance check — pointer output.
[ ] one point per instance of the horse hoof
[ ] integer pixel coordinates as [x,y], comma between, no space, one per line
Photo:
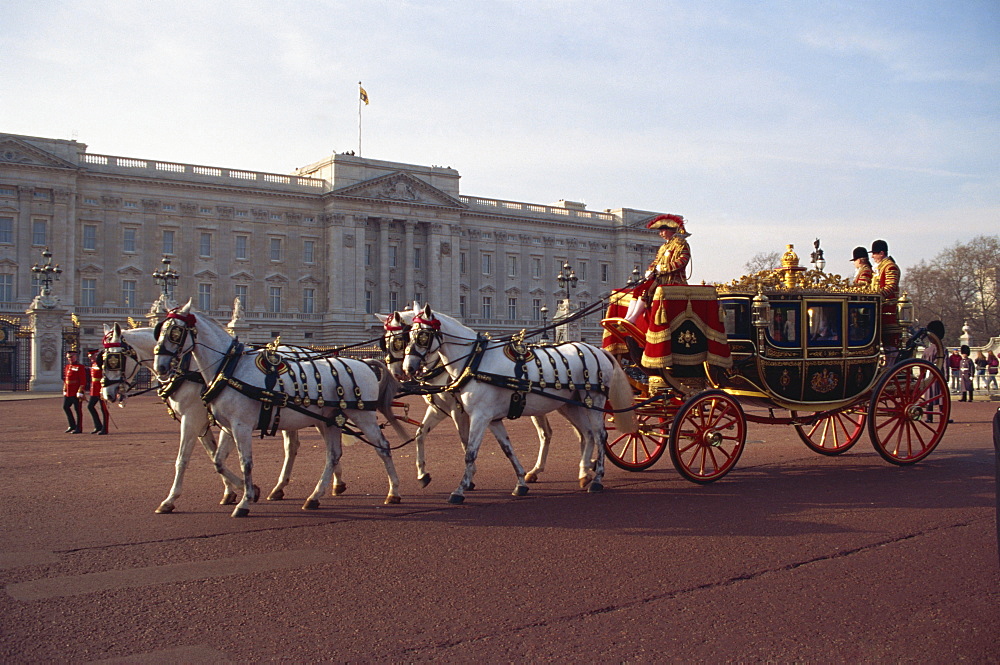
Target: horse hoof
[339,489]
[228,499]
[471,487]
[311,504]
[531,477]
[584,482]
[424,480]
[276,495]
[241,512]
[456,499]
[256,494]
[520,490]
[165,509]
[391,500]
[595,488]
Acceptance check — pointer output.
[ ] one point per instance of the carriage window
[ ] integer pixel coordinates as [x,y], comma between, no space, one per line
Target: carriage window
[824,324]
[736,319]
[784,328]
[860,323]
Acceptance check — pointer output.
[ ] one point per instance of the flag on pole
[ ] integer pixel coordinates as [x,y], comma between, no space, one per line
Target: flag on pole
[364,95]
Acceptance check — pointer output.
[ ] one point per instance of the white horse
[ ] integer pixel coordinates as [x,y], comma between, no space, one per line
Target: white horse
[575,378]
[320,391]
[124,352]
[442,405]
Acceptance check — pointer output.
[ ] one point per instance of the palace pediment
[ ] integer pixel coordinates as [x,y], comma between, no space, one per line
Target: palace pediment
[129,271]
[242,276]
[206,274]
[401,187]
[14,151]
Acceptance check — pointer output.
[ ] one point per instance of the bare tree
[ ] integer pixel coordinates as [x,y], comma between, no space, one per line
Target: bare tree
[762,261]
[959,285]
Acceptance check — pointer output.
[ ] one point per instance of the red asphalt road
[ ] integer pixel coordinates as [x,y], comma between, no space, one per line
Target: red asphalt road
[791,557]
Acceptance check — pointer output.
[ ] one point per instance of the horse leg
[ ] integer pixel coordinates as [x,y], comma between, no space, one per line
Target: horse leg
[243,435]
[291,441]
[500,432]
[230,480]
[544,430]
[432,417]
[332,436]
[188,437]
[461,420]
[599,433]
[474,439]
[369,425]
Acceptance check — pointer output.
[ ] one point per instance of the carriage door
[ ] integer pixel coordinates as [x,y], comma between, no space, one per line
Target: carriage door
[824,367]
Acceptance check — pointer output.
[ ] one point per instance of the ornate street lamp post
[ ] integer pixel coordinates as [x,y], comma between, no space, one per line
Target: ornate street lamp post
[567,279]
[634,278]
[166,277]
[544,311]
[45,274]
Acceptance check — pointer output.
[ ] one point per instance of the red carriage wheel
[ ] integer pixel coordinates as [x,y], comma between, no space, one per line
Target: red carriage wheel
[909,412]
[833,434]
[708,436]
[635,452]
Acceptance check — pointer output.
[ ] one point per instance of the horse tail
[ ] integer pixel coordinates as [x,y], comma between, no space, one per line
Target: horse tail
[621,397]
[388,386]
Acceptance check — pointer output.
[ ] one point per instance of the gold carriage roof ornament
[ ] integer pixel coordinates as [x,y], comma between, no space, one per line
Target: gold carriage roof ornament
[790,276]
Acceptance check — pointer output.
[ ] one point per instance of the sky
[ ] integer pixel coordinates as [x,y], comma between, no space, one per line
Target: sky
[762,123]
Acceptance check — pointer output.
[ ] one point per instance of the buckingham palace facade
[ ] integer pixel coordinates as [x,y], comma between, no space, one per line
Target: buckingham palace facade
[311,255]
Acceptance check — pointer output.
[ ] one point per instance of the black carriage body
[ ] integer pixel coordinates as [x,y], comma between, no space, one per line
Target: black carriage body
[814,351]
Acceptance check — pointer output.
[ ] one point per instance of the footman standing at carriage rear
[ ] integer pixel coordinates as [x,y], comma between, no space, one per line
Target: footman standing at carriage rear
[885,282]
[863,267]
[75,381]
[96,374]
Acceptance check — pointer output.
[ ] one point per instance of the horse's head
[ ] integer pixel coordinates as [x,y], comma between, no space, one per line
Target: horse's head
[394,339]
[113,361]
[424,342]
[175,336]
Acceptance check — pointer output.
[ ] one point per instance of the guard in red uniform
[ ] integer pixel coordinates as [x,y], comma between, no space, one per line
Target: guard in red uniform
[96,374]
[75,381]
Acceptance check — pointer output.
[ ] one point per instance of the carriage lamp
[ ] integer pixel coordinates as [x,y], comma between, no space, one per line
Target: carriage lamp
[166,277]
[816,257]
[544,311]
[46,273]
[905,310]
[634,278]
[761,310]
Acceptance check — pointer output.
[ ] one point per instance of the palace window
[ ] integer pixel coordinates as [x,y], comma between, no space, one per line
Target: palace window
[417,258]
[88,292]
[393,301]
[274,299]
[368,254]
[369,306]
[240,291]
[168,241]
[275,249]
[511,308]
[6,288]
[487,307]
[308,251]
[205,244]
[308,301]
[39,232]
[536,267]
[605,272]
[486,261]
[463,262]
[462,307]
[90,236]
[128,293]
[536,309]
[128,240]
[204,297]
[512,266]
[241,247]
[7,230]
[392,257]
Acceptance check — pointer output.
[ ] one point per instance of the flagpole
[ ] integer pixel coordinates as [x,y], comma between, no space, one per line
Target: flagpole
[359,117]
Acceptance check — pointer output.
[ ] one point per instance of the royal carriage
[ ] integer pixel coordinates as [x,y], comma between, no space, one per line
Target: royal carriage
[785,346]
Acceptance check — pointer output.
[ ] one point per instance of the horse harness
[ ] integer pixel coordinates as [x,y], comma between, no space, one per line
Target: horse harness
[274,367]
[519,384]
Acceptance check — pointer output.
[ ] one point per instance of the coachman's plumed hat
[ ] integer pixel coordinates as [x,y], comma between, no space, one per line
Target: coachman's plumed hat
[859,253]
[666,222]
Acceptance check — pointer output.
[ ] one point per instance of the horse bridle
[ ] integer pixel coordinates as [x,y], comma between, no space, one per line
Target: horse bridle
[175,328]
[113,359]
[422,338]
